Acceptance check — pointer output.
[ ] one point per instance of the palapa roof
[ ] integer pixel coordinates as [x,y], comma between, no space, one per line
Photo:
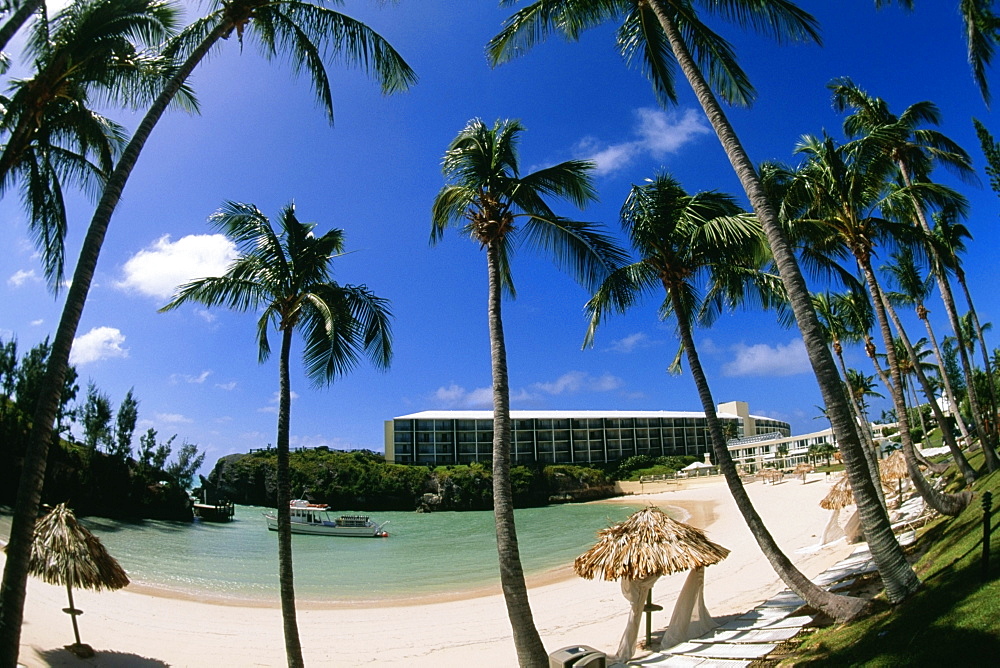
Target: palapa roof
[804,467]
[893,467]
[648,543]
[64,550]
[840,495]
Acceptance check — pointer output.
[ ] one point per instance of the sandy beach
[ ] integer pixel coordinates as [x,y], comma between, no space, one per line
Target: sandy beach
[146,628]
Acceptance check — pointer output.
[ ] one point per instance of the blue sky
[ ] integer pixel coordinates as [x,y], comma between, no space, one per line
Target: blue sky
[260,138]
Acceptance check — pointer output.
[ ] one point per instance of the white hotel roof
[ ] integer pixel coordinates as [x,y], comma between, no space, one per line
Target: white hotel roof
[527,415]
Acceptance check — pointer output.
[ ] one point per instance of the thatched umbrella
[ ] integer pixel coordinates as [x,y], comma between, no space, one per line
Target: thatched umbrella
[64,552]
[840,496]
[893,468]
[802,469]
[647,545]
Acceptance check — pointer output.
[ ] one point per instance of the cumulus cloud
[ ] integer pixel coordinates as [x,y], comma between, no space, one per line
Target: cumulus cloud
[763,360]
[20,277]
[98,344]
[579,381]
[657,133]
[187,378]
[156,271]
[275,398]
[456,396]
[631,343]
[172,418]
[231,385]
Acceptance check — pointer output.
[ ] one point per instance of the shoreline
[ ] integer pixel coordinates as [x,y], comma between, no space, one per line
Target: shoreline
[130,627]
[698,513]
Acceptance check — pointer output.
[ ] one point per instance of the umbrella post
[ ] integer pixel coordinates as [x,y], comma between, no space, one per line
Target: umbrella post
[72,611]
[649,610]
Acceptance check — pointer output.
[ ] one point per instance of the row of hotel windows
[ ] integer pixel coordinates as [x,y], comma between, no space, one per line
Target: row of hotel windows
[567,440]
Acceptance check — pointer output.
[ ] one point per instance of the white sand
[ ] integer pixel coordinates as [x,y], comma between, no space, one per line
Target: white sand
[130,628]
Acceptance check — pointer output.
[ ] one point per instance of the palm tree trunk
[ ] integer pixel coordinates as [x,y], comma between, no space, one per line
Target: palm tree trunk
[527,642]
[15,575]
[946,504]
[293,648]
[992,461]
[841,608]
[899,578]
[946,433]
[987,434]
[18,19]
[948,392]
[864,427]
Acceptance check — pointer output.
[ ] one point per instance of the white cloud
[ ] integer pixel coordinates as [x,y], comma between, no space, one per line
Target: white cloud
[578,381]
[156,271]
[764,360]
[455,396]
[231,385]
[20,277]
[172,418]
[658,133]
[98,344]
[37,323]
[631,343]
[275,398]
[194,380]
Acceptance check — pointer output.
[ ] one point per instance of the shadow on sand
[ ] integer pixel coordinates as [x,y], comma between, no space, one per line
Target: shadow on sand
[102,658]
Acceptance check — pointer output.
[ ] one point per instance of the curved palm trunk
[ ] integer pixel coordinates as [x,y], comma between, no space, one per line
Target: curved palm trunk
[841,608]
[986,433]
[992,461]
[946,433]
[15,574]
[527,642]
[948,392]
[946,504]
[864,428]
[899,578]
[18,19]
[293,648]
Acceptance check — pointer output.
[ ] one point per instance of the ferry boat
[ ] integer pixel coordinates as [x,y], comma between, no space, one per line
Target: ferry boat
[315,519]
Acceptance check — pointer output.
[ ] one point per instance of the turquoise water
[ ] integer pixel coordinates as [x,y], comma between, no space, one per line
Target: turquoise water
[425,554]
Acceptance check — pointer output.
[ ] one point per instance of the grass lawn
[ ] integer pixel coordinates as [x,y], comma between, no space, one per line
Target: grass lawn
[953,620]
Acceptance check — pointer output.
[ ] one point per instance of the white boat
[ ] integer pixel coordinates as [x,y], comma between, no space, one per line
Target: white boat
[315,519]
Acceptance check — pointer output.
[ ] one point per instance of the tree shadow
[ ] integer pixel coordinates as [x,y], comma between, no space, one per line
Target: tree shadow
[102,658]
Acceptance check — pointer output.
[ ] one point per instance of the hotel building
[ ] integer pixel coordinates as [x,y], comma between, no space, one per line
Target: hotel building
[437,438]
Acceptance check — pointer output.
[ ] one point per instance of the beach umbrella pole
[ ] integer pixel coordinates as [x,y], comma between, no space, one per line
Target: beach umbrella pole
[72,611]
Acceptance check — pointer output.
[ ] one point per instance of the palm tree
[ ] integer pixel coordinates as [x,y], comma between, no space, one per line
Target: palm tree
[300,31]
[845,191]
[914,290]
[948,241]
[22,12]
[981,27]
[689,245]
[287,274]
[90,47]
[665,35]
[496,206]
[916,150]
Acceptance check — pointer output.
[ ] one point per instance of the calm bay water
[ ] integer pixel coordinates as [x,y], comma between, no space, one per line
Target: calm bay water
[424,554]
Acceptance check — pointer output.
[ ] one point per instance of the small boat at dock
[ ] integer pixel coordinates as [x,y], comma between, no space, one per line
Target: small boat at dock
[217,512]
[316,519]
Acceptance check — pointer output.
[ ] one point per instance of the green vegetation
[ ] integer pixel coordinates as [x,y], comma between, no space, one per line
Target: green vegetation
[633,468]
[950,620]
[101,475]
[363,480]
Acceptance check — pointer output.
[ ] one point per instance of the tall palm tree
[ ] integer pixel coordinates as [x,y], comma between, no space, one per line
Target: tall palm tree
[846,191]
[92,48]
[981,27]
[22,11]
[287,275]
[689,245]
[294,29]
[497,206]
[666,35]
[949,242]
[914,289]
[916,150]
